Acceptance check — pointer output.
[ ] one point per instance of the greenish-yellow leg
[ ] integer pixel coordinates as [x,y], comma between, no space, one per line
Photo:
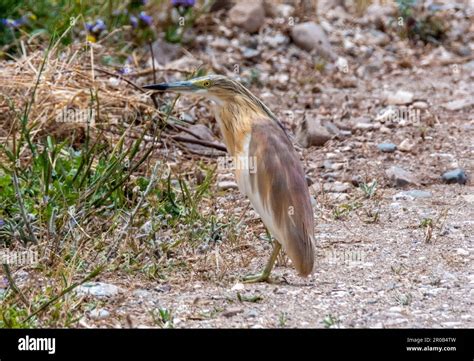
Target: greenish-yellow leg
[265,275]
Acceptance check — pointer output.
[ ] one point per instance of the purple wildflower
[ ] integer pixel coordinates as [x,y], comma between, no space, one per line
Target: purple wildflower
[9,23]
[2,222]
[97,27]
[134,21]
[184,3]
[146,19]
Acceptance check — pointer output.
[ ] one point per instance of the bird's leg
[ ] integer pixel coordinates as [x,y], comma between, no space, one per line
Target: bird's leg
[265,275]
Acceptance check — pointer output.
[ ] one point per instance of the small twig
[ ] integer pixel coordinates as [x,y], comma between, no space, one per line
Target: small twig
[45,305]
[122,78]
[13,285]
[127,227]
[152,70]
[204,143]
[152,62]
[22,207]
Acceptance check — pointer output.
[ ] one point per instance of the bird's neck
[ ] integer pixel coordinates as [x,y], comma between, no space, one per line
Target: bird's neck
[235,119]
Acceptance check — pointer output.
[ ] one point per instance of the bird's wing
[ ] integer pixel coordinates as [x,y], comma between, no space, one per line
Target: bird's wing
[277,188]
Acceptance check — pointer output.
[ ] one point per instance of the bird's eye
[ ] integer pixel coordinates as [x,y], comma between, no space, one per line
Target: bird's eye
[207,83]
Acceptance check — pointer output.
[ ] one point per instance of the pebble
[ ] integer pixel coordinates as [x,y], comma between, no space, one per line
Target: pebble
[406,145]
[401,97]
[401,177]
[411,194]
[225,185]
[462,252]
[98,289]
[230,312]
[99,314]
[387,147]
[455,176]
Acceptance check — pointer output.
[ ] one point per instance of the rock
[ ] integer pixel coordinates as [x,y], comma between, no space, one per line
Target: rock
[274,41]
[459,104]
[378,38]
[221,4]
[284,10]
[232,312]
[248,15]
[337,197]
[98,289]
[387,147]
[224,185]
[455,176]
[165,52]
[99,314]
[462,252]
[336,187]
[406,145]
[401,177]
[238,287]
[401,97]
[311,36]
[357,180]
[411,195]
[420,105]
[469,198]
[366,126]
[250,53]
[311,133]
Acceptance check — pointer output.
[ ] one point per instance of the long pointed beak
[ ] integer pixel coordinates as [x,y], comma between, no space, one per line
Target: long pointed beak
[178,86]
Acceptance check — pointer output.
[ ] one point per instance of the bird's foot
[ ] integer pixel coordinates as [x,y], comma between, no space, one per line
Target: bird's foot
[255,278]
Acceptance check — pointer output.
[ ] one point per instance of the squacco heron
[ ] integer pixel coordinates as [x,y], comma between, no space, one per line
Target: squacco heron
[276,185]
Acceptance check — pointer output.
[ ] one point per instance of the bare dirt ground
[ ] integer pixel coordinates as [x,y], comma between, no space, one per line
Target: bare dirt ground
[384,258]
[391,272]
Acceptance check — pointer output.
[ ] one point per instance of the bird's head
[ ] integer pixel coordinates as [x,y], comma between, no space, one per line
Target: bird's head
[216,87]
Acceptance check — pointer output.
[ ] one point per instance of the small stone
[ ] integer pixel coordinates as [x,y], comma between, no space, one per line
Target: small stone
[411,194]
[364,126]
[311,36]
[462,252]
[98,289]
[401,97]
[99,314]
[401,177]
[310,132]
[338,197]
[469,198]
[407,145]
[225,185]
[455,176]
[420,105]
[356,180]
[336,187]
[232,312]
[248,15]
[284,10]
[337,166]
[238,287]
[459,104]
[387,147]
[250,53]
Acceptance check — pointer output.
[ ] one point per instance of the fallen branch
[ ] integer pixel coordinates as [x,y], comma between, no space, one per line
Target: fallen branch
[204,143]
